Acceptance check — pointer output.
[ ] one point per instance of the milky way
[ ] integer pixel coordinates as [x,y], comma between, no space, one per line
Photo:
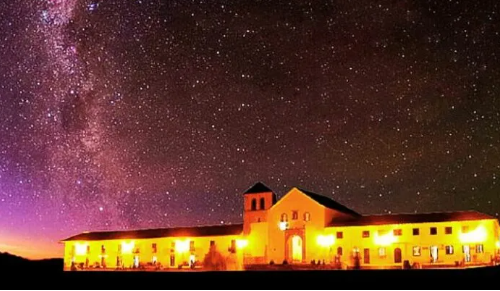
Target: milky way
[132,114]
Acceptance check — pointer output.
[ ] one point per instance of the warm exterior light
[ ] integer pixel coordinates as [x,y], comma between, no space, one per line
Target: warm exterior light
[283,225]
[182,246]
[385,240]
[81,248]
[326,240]
[241,243]
[477,235]
[498,244]
[127,247]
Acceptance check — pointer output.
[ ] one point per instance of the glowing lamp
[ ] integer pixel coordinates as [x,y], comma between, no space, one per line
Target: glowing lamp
[127,247]
[241,243]
[385,240]
[326,240]
[283,225]
[498,244]
[182,246]
[81,248]
[477,235]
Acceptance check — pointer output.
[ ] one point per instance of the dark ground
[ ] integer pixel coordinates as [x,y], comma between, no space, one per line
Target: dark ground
[18,273]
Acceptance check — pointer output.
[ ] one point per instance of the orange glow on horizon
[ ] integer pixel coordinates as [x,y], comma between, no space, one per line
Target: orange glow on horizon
[29,248]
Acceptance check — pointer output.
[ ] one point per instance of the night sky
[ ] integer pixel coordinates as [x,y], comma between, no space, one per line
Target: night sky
[123,114]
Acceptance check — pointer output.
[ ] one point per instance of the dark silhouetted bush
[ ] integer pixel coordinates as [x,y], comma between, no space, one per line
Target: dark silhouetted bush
[214,260]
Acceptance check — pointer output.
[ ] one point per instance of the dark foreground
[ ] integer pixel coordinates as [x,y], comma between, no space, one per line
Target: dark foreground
[402,279]
[49,275]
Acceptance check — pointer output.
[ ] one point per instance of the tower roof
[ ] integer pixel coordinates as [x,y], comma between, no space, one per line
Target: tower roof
[259,187]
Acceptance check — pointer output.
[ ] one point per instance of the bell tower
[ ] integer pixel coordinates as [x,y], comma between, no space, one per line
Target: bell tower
[256,201]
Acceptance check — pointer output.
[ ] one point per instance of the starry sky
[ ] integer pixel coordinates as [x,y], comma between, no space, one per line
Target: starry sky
[119,114]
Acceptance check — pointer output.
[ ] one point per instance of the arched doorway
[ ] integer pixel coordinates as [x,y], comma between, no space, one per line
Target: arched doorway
[295,245]
[296,248]
[397,255]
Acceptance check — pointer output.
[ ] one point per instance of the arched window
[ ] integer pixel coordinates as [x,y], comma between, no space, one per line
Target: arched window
[307,216]
[262,203]
[284,217]
[254,204]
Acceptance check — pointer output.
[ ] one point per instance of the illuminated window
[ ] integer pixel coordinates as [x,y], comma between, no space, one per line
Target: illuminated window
[339,251]
[295,215]
[307,216]
[416,251]
[154,260]
[448,230]
[434,252]
[382,252]
[366,233]
[254,204]
[191,246]
[284,217]
[416,231]
[449,250]
[262,203]
[434,230]
[479,249]
[153,246]
[398,232]
[340,234]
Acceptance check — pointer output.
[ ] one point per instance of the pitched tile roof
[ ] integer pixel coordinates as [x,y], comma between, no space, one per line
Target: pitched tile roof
[329,203]
[216,230]
[411,218]
[259,187]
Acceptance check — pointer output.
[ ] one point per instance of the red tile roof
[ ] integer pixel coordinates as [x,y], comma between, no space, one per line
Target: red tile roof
[329,203]
[411,218]
[216,230]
